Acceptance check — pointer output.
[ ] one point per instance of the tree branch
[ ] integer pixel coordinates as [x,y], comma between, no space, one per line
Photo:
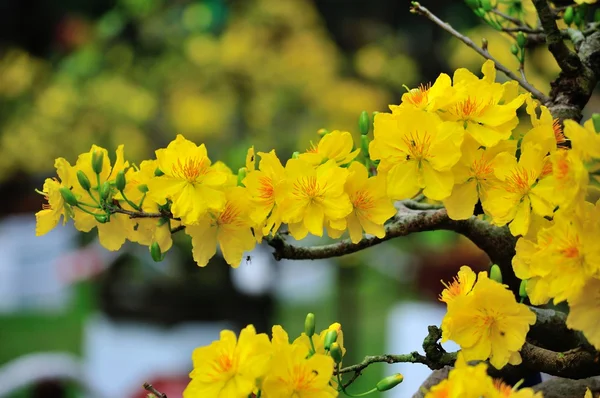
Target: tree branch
[419,9]
[148,387]
[567,388]
[577,363]
[568,60]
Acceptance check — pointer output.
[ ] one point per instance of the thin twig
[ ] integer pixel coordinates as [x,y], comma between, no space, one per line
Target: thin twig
[177,229]
[524,29]
[419,9]
[138,214]
[148,387]
[512,19]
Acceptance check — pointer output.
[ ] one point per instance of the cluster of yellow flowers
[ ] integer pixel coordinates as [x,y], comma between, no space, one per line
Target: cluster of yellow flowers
[454,141]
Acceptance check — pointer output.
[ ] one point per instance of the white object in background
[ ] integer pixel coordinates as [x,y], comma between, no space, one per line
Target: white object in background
[406,328]
[120,357]
[29,278]
[256,273]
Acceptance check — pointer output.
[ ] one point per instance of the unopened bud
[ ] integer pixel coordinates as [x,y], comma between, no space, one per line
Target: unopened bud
[364,123]
[120,180]
[514,49]
[143,188]
[242,172]
[496,273]
[596,122]
[105,190]
[309,324]
[101,218]
[523,288]
[322,132]
[472,3]
[486,5]
[158,172]
[577,19]
[390,382]
[336,352]
[156,253]
[97,161]
[330,338]
[84,181]
[364,144]
[569,15]
[295,155]
[68,196]
[480,12]
[521,39]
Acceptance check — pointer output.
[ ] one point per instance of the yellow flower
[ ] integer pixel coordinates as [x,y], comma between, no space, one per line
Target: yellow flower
[585,1]
[584,311]
[319,339]
[49,216]
[488,323]
[114,233]
[518,195]
[474,176]
[336,145]
[464,381]
[229,367]
[262,186]
[250,159]
[229,228]
[292,374]
[310,195]
[280,338]
[417,151]
[504,390]
[477,108]
[460,286]
[428,97]
[588,393]
[189,181]
[546,130]
[371,205]
[585,142]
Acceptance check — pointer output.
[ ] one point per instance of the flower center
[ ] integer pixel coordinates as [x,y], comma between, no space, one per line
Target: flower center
[468,108]
[419,96]
[230,216]
[308,187]
[225,363]
[503,388]
[520,181]
[481,168]
[547,167]
[190,169]
[362,200]
[558,132]
[452,290]
[266,189]
[418,144]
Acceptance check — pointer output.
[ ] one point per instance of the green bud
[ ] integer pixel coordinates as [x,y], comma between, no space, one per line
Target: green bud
[295,155]
[309,324]
[156,253]
[596,121]
[364,144]
[120,180]
[242,172]
[330,338]
[523,288]
[101,218]
[521,39]
[97,161]
[336,352]
[364,123]
[105,190]
[568,15]
[514,49]
[158,172]
[83,180]
[480,12]
[68,196]
[143,188]
[486,5]
[578,19]
[597,15]
[323,132]
[390,382]
[472,3]
[496,273]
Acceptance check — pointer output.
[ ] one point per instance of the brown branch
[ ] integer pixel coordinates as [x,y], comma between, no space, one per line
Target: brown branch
[577,363]
[512,19]
[419,9]
[137,214]
[524,29]
[567,388]
[148,387]
[568,60]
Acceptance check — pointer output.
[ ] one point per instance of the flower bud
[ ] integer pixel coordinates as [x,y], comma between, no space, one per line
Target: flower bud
[295,155]
[496,273]
[105,190]
[521,39]
[569,15]
[323,132]
[364,144]
[596,122]
[514,49]
[523,288]
[84,181]
[158,172]
[68,196]
[364,123]
[241,176]
[120,180]
[101,218]
[336,352]
[330,338]
[143,188]
[472,3]
[309,325]
[156,253]
[480,12]
[97,161]
[390,382]
[486,5]
[577,19]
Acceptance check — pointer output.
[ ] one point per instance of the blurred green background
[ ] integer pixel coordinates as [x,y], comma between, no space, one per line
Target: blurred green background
[231,74]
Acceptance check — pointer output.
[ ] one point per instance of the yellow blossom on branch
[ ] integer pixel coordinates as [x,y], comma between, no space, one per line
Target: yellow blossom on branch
[584,311]
[336,145]
[55,208]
